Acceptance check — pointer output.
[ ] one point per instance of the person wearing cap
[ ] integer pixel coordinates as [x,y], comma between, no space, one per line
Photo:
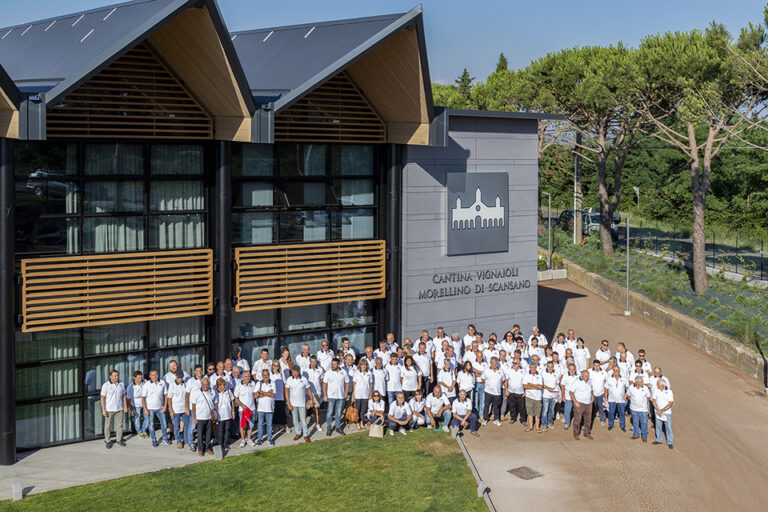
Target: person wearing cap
[639,396]
[113,406]
[296,390]
[203,401]
[662,401]
[153,400]
[246,401]
[176,406]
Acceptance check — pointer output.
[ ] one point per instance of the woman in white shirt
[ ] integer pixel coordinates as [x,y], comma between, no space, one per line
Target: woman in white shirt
[314,374]
[281,414]
[133,394]
[380,376]
[286,363]
[465,379]
[410,378]
[581,356]
[566,381]
[446,379]
[418,405]
[394,381]
[376,408]
[361,391]
[225,412]
[265,406]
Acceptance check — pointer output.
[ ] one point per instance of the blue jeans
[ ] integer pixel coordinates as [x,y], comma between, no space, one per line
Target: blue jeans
[472,422]
[151,423]
[664,425]
[597,407]
[264,417]
[189,428]
[547,412]
[479,397]
[612,408]
[446,419]
[567,412]
[140,421]
[392,425]
[299,415]
[391,397]
[640,423]
[334,409]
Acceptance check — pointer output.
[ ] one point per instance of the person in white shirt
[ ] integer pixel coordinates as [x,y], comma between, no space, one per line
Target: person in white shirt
[281,415]
[533,385]
[663,400]
[615,389]
[410,378]
[457,344]
[508,343]
[515,392]
[376,408]
[203,403]
[597,378]
[176,406]
[446,380]
[383,352]
[647,368]
[335,389]
[380,377]
[538,336]
[494,379]
[418,404]
[350,369]
[559,345]
[346,349]
[303,358]
[437,341]
[154,404]
[296,390]
[325,356]
[392,345]
[238,360]
[438,406]
[462,415]
[582,397]
[265,363]
[400,414]
[173,368]
[314,375]
[625,366]
[362,391]
[265,406]
[450,356]
[368,356]
[566,382]
[581,356]
[622,348]
[603,354]
[534,349]
[133,396]
[113,406]
[245,400]
[653,381]
[423,360]
[639,396]
[394,377]
[549,394]
[491,352]
[225,412]
[479,365]
[465,379]
[469,337]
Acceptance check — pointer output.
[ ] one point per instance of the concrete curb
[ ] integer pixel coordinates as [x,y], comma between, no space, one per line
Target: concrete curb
[700,336]
[482,489]
[549,275]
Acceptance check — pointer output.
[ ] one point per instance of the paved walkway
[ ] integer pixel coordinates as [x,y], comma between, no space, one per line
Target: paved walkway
[720,460]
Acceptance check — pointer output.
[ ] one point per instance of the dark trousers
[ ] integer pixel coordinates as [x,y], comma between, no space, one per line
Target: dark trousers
[204,430]
[223,433]
[472,423]
[492,402]
[408,395]
[516,404]
[582,414]
[288,415]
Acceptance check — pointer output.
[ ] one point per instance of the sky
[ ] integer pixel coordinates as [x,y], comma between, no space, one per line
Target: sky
[471,34]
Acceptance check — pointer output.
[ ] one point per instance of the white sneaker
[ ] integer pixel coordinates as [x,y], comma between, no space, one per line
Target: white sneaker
[483,422]
[429,427]
[446,429]
[497,423]
[402,431]
[250,443]
[391,432]
[242,443]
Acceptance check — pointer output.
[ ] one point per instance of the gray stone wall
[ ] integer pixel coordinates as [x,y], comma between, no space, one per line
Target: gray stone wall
[434,285]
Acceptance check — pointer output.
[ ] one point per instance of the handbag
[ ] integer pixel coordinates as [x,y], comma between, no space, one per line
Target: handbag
[351,414]
[376,430]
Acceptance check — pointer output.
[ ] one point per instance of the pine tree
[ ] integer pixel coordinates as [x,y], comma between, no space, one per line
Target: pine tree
[502,65]
[464,86]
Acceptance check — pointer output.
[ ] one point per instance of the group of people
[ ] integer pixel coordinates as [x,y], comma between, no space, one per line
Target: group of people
[449,383]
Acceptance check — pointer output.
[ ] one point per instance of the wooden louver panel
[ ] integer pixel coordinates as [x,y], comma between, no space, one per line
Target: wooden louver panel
[136,97]
[81,291]
[304,274]
[334,112]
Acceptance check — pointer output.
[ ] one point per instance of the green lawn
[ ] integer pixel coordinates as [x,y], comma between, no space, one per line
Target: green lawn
[423,471]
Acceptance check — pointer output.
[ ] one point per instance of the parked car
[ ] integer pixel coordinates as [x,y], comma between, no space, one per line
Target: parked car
[592,209]
[48,183]
[590,225]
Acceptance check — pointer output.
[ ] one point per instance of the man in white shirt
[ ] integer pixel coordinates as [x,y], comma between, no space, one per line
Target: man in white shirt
[346,349]
[582,397]
[265,363]
[533,385]
[639,395]
[515,392]
[203,402]
[538,336]
[133,396]
[265,406]
[653,382]
[325,355]
[559,345]
[296,390]
[457,344]
[463,417]
[438,406]
[663,400]
[170,377]
[438,340]
[335,389]
[646,366]
[597,378]
[176,406]
[494,382]
[238,360]
[491,351]
[621,348]
[424,361]
[400,414]
[603,354]
[245,400]
[154,404]
[303,358]
[615,389]
[113,406]
[382,352]
[570,340]
[394,378]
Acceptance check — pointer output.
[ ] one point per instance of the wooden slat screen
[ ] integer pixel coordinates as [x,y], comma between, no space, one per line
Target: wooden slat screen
[304,274]
[334,112]
[80,291]
[135,97]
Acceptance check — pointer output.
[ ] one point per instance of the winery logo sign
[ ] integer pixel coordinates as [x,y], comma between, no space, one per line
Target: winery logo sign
[478,212]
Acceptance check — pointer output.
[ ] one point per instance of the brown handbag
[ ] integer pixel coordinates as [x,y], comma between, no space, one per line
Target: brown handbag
[352,415]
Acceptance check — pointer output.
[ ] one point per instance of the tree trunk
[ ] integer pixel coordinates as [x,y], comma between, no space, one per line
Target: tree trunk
[699,238]
[602,194]
[542,230]
[577,194]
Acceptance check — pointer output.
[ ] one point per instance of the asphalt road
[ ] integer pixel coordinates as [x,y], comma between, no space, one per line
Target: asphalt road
[720,420]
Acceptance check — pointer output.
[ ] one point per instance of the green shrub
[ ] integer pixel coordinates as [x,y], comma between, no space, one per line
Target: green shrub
[711,317]
[714,301]
[541,264]
[698,311]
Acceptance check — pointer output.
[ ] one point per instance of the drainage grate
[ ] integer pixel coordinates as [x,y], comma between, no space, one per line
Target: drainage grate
[525,473]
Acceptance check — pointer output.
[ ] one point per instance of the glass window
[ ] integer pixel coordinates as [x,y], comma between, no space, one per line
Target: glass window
[47,380]
[94,421]
[97,370]
[113,234]
[358,338]
[186,357]
[314,159]
[249,324]
[34,235]
[251,350]
[356,312]
[303,226]
[46,193]
[252,160]
[303,317]
[302,193]
[167,196]
[47,345]
[113,196]
[354,192]
[353,225]
[259,193]
[113,159]
[302,159]
[294,342]
[176,159]
[254,228]
[108,339]
[356,160]
[177,231]
[46,157]
[48,423]
[176,332]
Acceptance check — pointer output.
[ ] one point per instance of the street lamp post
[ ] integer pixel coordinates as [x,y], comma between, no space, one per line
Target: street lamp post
[549,229]
[626,308]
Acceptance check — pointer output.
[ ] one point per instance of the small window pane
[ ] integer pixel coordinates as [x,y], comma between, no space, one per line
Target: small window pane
[353,225]
[254,160]
[177,232]
[47,345]
[354,192]
[301,194]
[46,157]
[47,381]
[108,339]
[113,159]
[113,234]
[46,193]
[113,196]
[294,342]
[167,196]
[48,423]
[187,358]
[356,160]
[97,370]
[254,228]
[254,194]
[35,235]
[177,159]
[357,312]
[302,159]
[303,317]
[176,332]
[358,338]
[249,324]
[303,226]
[251,350]
[315,159]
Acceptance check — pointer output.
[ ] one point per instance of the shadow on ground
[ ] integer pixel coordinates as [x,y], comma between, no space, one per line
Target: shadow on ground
[552,304]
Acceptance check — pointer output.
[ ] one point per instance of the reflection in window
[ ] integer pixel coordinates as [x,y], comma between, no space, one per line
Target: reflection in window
[48,423]
[113,159]
[46,193]
[249,324]
[252,160]
[51,157]
[187,358]
[353,225]
[358,338]
[113,196]
[177,232]
[354,192]
[253,228]
[46,381]
[176,159]
[113,234]
[300,194]
[47,345]
[108,339]
[302,159]
[258,193]
[294,342]
[303,317]
[177,331]
[303,226]
[251,350]
[97,370]
[356,160]
[357,312]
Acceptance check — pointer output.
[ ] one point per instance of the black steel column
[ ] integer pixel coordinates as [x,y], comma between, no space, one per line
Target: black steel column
[393,232]
[222,244]
[7,327]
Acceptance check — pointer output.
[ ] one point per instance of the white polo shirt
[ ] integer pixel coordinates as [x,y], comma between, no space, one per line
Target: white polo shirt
[653,380]
[375,406]
[549,380]
[617,388]
[383,355]
[380,377]
[303,362]
[203,401]
[417,407]
[362,382]
[266,403]
[176,394]
[533,394]
[582,391]
[662,399]
[466,381]
[224,409]
[244,393]
[315,377]
[447,377]
[581,358]
[170,378]
[461,408]
[424,362]
[154,393]
[603,355]
[393,377]
[493,380]
[297,389]
[560,349]
[410,378]
[399,411]
[324,359]
[434,403]
[192,385]
[566,381]
[134,393]
[597,379]
[242,363]
[259,366]
[638,398]
[479,367]
[113,396]
[335,381]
